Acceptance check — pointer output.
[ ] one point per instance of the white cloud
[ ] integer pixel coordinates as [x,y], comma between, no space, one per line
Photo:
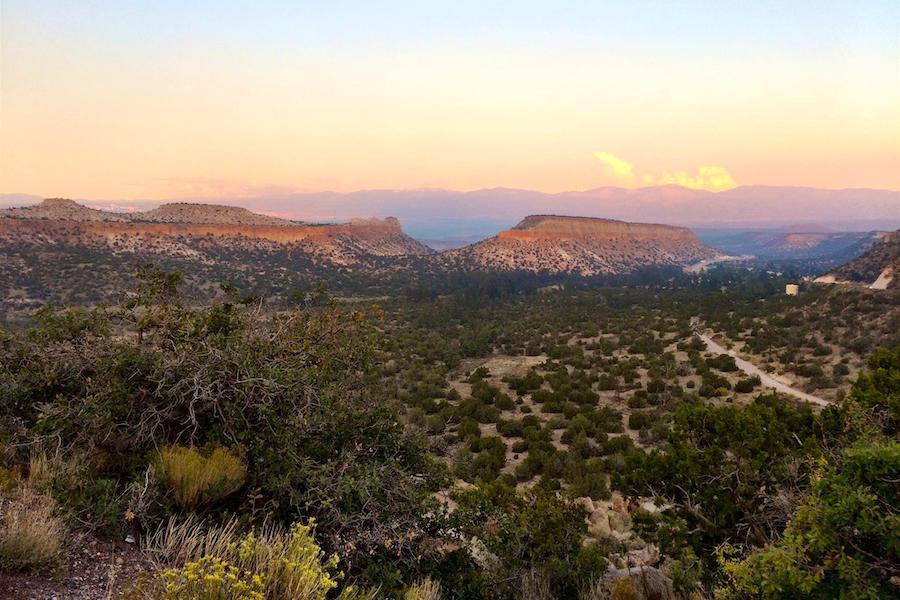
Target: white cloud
[615,167]
[713,179]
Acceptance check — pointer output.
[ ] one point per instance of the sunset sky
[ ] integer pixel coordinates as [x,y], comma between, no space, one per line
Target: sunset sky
[136,100]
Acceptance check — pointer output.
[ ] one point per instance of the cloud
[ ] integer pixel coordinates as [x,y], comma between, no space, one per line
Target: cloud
[615,167]
[713,179]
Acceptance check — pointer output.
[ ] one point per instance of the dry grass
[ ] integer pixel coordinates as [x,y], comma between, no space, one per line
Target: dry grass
[196,478]
[9,479]
[535,586]
[31,535]
[43,468]
[182,541]
[424,590]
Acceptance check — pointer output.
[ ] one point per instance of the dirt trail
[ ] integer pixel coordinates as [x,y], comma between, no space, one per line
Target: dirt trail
[767,380]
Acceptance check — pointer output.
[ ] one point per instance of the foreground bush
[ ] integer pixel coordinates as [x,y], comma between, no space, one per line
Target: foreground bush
[195,478]
[31,535]
[843,541]
[533,535]
[293,389]
[266,564]
[210,579]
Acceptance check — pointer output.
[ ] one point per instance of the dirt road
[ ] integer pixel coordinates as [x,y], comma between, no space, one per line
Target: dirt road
[767,380]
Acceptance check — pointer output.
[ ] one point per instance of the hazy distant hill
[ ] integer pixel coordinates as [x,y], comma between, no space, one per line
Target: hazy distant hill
[461,216]
[585,246]
[793,244]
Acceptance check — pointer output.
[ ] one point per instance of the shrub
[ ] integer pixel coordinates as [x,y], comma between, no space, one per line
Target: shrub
[639,420]
[637,401]
[532,531]
[73,480]
[196,479]
[623,589]
[270,563]
[210,578]
[747,385]
[504,402]
[519,446]
[31,535]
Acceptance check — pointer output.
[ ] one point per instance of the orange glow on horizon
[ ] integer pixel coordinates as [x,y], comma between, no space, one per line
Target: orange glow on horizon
[231,113]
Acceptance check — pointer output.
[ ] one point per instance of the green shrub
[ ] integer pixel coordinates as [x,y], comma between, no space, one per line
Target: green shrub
[747,385]
[640,420]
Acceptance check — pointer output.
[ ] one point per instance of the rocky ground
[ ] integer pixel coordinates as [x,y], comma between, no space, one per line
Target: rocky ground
[91,570]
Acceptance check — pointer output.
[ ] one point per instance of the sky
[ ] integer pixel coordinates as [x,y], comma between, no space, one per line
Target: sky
[160,100]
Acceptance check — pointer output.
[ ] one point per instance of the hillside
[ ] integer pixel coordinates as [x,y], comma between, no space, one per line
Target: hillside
[878,268]
[166,229]
[791,245]
[580,245]
[59,251]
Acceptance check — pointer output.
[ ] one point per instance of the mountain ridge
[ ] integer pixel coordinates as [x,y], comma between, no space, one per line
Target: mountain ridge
[440,210]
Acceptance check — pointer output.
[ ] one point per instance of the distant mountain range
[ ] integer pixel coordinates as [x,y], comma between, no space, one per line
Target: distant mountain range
[450,218]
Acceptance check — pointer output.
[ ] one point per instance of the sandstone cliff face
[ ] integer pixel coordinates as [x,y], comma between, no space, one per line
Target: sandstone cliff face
[585,246]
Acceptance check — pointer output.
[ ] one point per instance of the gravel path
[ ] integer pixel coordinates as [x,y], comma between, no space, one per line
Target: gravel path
[767,380]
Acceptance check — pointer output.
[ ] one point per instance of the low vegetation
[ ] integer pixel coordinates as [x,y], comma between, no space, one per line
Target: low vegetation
[31,532]
[488,444]
[270,563]
[196,478]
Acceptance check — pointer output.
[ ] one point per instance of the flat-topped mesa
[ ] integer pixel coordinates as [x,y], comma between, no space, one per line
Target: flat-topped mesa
[568,228]
[188,212]
[581,245]
[62,209]
[65,221]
